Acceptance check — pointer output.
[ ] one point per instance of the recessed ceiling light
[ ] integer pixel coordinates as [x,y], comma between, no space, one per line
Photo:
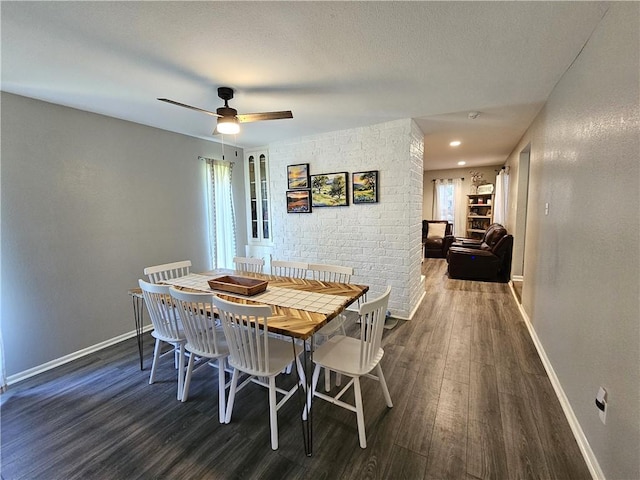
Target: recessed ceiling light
[462,162]
[455,143]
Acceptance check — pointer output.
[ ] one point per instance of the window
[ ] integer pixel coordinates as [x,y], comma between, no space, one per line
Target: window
[449,203]
[444,201]
[220,212]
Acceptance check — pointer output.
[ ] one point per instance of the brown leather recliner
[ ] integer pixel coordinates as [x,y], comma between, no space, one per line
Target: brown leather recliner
[476,242]
[487,259]
[437,246]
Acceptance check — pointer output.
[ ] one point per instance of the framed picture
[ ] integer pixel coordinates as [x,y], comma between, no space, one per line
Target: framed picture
[298,176]
[485,189]
[364,186]
[298,201]
[329,190]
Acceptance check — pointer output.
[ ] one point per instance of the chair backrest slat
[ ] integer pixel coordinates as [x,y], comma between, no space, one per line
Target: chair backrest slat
[330,273]
[249,264]
[167,271]
[285,268]
[161,310]
[248,343]
[197,315]
[372,317]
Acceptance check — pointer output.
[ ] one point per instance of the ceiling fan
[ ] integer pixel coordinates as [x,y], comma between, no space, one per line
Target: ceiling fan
[228,118]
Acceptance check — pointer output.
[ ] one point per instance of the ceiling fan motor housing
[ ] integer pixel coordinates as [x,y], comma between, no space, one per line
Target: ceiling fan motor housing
[226,112]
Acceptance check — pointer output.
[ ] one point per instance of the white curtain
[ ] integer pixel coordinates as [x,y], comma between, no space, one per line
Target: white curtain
[222,222]
[501,196]
[460,209]
[439,199]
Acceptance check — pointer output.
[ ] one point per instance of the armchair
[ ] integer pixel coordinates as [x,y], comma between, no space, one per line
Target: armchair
[489,259]
[489,238]
[437,240]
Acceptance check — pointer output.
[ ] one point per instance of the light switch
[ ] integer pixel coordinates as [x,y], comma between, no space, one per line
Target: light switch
[601,403]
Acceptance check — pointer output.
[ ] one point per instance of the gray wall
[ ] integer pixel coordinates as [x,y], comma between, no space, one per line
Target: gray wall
[87,202]
[581,287]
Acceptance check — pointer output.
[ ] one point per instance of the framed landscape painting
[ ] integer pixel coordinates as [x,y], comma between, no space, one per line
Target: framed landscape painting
[298,201]
[365,187]
[298,176]
[329,190]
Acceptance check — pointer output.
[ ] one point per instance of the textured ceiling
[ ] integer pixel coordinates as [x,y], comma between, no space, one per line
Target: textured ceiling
[336,65]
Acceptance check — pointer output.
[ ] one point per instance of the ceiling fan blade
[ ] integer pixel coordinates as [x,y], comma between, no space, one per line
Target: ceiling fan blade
[257,117]
[173,102]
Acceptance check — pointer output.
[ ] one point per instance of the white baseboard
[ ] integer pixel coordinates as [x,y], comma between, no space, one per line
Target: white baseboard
[578,433]
[18,377]
[415,309]
[517,278]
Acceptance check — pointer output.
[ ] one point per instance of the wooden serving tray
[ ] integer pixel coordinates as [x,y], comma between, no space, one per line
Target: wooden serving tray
[240,285]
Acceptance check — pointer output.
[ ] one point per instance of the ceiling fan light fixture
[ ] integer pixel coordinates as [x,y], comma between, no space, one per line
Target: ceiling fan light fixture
[228,125]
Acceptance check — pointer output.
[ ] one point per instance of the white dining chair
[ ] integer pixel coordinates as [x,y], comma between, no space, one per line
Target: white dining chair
[249,264]
[167,271]
[286,268]
[330,273]
[167,328]
[205,340]
[355,358]
[254,352]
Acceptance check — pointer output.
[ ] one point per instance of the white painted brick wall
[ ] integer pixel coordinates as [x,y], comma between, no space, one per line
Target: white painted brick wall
[380,241]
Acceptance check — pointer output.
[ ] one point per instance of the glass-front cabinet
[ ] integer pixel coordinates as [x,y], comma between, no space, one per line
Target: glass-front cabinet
[259,212]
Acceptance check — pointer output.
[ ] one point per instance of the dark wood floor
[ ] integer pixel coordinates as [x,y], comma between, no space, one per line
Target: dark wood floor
[471,400]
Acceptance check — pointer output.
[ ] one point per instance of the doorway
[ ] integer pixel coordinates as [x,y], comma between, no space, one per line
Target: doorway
[519,237]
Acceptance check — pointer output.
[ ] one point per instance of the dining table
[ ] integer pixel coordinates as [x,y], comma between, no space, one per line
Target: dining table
[300,307]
